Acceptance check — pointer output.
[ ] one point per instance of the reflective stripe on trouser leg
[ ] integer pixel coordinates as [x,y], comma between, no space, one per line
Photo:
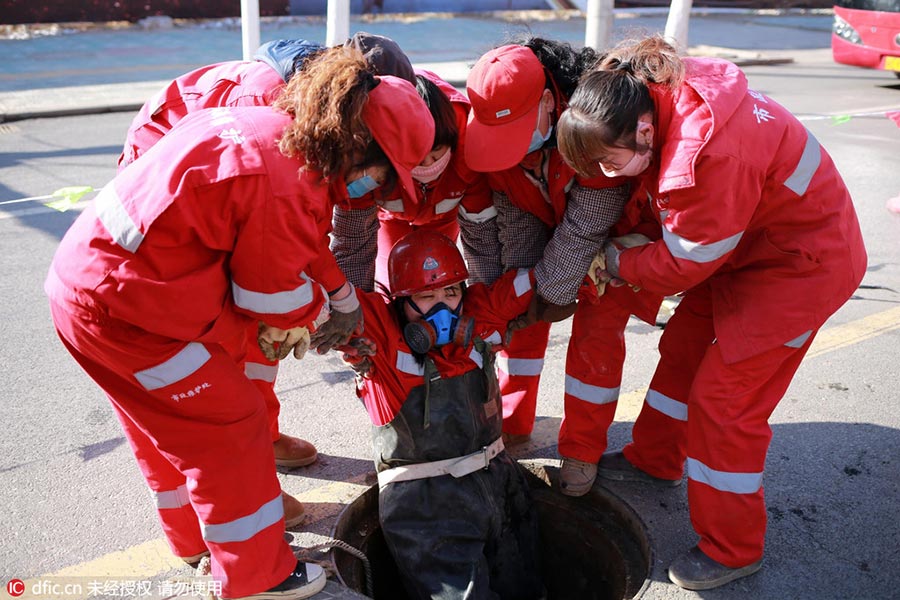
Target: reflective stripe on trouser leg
[263,373]
[216,437]
[519,369]
[660,430]
[727,440]
[593,376]
[168,492]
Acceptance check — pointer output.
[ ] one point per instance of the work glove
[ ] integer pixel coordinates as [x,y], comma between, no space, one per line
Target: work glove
[356,353]
[346,317]
[604,268]
[277,343]
[539,310]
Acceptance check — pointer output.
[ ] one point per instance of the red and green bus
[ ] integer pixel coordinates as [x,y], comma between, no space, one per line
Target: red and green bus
[866,33]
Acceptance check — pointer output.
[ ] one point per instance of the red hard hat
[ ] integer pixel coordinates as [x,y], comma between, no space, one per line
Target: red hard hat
[424,260]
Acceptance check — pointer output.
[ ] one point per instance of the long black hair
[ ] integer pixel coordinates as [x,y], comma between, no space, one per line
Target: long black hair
[562,61]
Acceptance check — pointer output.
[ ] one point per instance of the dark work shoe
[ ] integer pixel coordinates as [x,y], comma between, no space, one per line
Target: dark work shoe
[614,466]
[696,571]
[304,581]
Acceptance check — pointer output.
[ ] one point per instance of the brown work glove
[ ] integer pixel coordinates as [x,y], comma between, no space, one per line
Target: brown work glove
[356,353]
[540,310]
[346,317]
[277,343]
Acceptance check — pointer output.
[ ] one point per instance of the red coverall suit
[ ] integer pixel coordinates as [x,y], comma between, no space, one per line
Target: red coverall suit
[759,228]
[458,199]
[596,349]
[475,535]
[152,291]
[232,83]
[226,84]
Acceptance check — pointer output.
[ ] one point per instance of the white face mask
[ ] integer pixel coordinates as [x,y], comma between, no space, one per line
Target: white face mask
[638,163]
[432,171]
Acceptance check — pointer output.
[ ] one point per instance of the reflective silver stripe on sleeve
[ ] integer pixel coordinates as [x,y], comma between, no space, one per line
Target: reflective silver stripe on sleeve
[522,282]
[393,205]
[696,252]
[172,498]
[807,167]
[260,371]
[799,340]
[244,528]
[116,220]
[494,338]
[406,363]
[667,406]
[446,205]
[185,363]
[276,303]
[480,217]
[528,367]
[590,393]
[736,483]
[158,101]
[475,355]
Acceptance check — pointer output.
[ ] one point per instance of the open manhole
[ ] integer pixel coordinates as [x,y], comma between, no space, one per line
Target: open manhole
[593,548]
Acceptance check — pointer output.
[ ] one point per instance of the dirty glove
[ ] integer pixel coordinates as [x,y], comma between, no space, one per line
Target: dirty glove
[277,343]
[540,310]
[346,317]
[605,266]
[356,353]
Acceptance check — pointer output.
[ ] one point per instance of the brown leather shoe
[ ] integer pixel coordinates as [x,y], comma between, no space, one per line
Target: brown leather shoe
[294,452]
[576,477]
[293,510]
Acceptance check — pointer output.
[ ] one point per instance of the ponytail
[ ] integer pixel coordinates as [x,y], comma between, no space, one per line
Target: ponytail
[652,60]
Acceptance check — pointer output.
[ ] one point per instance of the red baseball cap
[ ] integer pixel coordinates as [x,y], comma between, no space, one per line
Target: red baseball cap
[402,125]
[504,88]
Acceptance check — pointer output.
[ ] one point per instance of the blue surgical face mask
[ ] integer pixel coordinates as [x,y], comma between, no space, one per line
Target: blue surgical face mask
[538,140]
[362,186]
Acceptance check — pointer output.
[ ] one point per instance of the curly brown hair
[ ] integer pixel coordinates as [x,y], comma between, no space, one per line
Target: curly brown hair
[326,100]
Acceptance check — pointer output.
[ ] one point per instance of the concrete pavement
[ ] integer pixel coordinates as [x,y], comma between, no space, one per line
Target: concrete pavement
[120,69]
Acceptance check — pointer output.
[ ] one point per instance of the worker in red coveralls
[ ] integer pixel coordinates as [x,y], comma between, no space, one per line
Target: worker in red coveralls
[555,222]
[213,230]
[454,507]
[257,83]
[450,198]
[759,231]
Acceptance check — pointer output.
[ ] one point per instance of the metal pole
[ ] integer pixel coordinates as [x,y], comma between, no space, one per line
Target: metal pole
[598,26]
[249,27]
[337,22]
[677,24]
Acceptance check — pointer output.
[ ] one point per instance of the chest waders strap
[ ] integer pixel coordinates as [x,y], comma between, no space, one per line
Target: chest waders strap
[457,467]
[431,374]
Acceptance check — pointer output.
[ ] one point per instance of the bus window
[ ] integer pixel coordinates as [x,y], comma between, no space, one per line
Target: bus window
[866,33]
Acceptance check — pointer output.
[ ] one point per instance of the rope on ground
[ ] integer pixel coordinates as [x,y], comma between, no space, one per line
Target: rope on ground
[342,545]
